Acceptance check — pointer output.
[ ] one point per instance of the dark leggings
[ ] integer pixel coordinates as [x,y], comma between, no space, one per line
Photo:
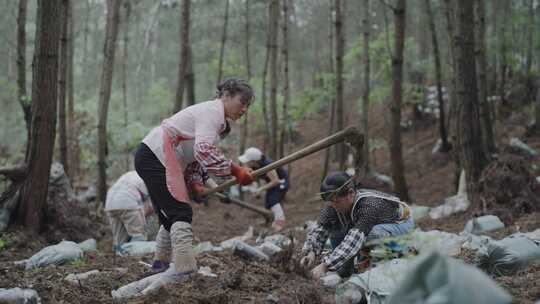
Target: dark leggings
[168,209]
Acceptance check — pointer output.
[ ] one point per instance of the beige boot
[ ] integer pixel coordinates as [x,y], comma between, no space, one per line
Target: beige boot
[163,245]
[182,247]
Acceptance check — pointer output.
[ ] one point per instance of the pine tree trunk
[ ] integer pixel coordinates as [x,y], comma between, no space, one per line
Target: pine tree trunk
[286,93]
[274,22]
[530,31]
[503,45]
[44,95]
[340,52]
[113,18]
[125,63]
[445,147]
[245,130]
[396,154]
[178,100]
[62,129]
[190,80]
[366,24]
[86,34]
[266,119]
[21,69]
[223,41]
[470,146]
[481,64]
[73,138]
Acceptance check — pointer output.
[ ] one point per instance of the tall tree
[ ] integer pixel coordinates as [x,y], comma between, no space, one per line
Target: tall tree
[245,130]
[274,21]
[438,78]
[286,93]
[340,52]
[507,9]
[62,127]
[366,24]
[44,96]
[396,153]
[184,53]
[73,141]
[481,65]
[125,62]
[111,33]
[449,13]
[472,155]
[21,68]
[264,76]
[190,79]
[223,41]
[530,41]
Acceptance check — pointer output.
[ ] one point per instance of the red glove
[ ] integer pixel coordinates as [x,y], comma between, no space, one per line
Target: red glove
[242,174]
[197,189]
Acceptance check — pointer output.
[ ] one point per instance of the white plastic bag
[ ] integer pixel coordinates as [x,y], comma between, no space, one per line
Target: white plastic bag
[479,225]
[437,279]
[138,248]
[61,253]
[19,296]
[508,255]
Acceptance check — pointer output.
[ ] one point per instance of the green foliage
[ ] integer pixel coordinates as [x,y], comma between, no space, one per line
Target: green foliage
[3,243]
[78,263]
[316,99]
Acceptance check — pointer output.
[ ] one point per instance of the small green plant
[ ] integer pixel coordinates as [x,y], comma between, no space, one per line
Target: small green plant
[78,263]
[3,243]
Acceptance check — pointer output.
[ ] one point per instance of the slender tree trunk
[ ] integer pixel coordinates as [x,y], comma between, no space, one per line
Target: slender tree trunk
[323,82]
[396,154]
[62,130]
[178,100]
[113,18]
[263,84]
[44,95]
[530,42]
[340,52]
[245,130]
[495,39]
[223,41]
[86,34]
[469,130]
[73,141]
[274,22]
[481,64]
[190,80]
[125,63]
[504,46]
[286,93]
[366,24]
[21,69]
[537,110]
[438,78]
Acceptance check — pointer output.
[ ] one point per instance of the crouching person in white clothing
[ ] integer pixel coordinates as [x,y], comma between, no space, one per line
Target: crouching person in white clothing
[127,207]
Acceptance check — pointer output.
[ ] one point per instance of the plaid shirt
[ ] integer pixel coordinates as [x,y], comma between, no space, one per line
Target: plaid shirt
[370,208]
[213,161]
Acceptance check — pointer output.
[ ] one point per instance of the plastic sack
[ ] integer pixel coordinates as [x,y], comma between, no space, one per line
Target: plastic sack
[515,142]
[508,255]
[61,253]
[457,203]
[88,245]
[483,224]
[249,252]
[269,249]
[19,296]
[145,285]
[436,279]
[444,242]
[331,280]
[419,212]
[74,279]
[203,247]
[138,248]
[375,284]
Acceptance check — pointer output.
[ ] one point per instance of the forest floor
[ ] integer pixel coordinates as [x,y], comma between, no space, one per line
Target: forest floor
[430,180]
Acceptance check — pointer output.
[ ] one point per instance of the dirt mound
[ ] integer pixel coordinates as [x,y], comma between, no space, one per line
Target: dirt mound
[507,187]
